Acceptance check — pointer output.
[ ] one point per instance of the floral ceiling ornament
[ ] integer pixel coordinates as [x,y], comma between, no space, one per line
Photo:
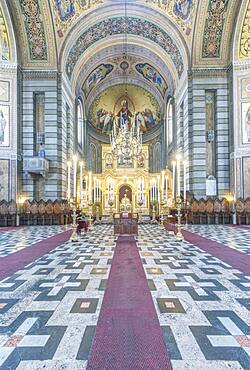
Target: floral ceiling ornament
[117,26]
[214,26]
[244,48]
[181,11]
[34,29]
[68,11]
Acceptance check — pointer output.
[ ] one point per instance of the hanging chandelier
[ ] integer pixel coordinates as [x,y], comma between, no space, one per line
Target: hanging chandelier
[126,142]
[126,138]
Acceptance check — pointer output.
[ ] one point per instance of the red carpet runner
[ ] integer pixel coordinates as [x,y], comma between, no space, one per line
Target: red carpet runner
[234,258]
[128,334]
[18,260]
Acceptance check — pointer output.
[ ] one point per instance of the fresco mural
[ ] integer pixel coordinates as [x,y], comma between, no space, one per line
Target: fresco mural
[246,123]
[182,8]
[114,107]
[245,88]
[151,74]
[181,11]
[4,40]
[4,125]
[96,76]
[68,11]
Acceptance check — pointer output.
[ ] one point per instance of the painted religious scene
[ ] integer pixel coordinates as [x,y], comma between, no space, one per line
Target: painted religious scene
[113,108]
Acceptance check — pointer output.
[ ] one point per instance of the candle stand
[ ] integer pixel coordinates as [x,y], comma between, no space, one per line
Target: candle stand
[140,204]
[90,215]
[179,235]
[74,236]
[111,203]
[97,212]
[162,213]
[153,213]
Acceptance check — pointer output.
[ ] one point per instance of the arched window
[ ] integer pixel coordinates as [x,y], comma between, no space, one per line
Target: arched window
[79,122]
[170,122]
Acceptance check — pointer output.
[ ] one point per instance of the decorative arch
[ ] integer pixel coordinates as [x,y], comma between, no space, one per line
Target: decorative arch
[112,54]
[116,26]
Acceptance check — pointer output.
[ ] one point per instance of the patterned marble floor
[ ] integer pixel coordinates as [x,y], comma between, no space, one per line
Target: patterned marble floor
[233,237]
[49,310]
[15,240]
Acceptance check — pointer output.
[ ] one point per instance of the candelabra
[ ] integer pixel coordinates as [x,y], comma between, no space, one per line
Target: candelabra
[140,204]
[111,203]
[74,236]
[153,213]
[97,212]
[90,215]
[162,213]
[179,235]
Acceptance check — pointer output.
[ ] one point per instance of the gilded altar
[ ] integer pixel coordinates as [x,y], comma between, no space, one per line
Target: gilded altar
[125,178]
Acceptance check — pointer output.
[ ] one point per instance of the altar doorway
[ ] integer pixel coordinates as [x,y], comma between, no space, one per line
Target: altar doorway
[125,198]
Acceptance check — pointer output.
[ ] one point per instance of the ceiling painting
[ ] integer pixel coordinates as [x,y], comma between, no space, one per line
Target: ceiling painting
[116,26]
[5,51]
[67,12]
[180,11]
[244,48]
[152,75]
[34,27]
[105,110]
[96,76]
[214,26]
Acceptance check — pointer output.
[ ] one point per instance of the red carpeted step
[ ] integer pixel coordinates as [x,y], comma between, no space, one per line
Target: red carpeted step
[18,260]
[128,334]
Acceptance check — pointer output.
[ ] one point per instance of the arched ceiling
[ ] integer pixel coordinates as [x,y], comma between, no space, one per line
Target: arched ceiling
[76,36]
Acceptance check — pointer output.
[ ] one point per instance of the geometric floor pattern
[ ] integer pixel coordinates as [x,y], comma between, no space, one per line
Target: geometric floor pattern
[15,240]
[233,237]
[49,309]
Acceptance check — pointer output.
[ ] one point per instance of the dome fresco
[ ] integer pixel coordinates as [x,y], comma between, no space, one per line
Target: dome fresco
[106,108]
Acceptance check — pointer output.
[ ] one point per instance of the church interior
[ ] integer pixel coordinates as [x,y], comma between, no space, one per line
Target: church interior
[124,184]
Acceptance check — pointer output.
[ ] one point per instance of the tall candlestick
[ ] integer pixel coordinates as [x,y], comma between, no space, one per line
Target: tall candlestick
[178,165]
[86,188]
[173,191]
[81,179]
[158,188]
[166,197]
[69,171]
[94,190]
[90,187]
[185,180]
[162,183]
[75,175]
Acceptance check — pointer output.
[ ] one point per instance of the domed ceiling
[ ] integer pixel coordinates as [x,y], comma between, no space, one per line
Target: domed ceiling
[81,37]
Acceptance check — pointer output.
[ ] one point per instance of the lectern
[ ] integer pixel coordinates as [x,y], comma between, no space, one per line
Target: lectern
[126,223]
